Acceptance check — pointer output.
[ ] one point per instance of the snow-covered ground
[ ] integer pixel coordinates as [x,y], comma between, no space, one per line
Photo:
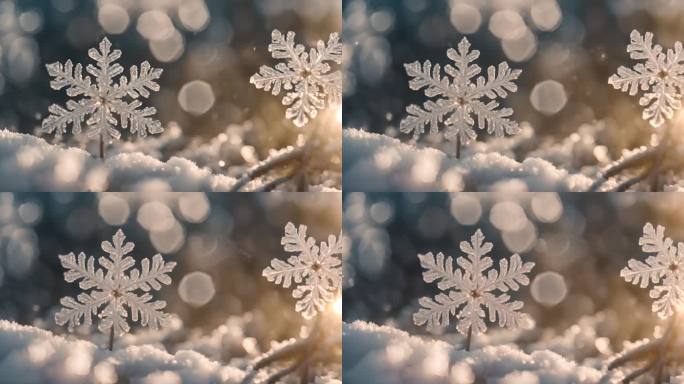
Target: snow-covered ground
[375,162]
[386,355]
[30,163]
[32,355]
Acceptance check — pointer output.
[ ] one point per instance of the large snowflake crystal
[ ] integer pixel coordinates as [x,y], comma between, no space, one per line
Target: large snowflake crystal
[460,97]
[660,76]
[306,76]
[472,288]
[315,269]
[114,289]
[103,98]
[664,270]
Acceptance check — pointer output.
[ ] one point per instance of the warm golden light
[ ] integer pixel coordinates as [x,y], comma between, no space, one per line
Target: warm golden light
[337,306]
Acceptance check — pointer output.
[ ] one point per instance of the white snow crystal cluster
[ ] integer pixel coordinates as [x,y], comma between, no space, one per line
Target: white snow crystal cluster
[664,270]
[659,74]
[385,355]
[307,77]
[114,287]
[32,355]
[103,97]
[31,164]
[460,97]
[375,162]
[473,286]
[315,269]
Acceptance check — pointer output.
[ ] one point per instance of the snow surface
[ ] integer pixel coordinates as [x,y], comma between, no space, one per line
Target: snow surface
[32,355]
[386,355]
[29,163]
[375,162]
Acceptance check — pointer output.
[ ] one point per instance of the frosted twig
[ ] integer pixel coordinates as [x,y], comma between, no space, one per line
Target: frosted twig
[660,348]
[301,350]
[633,159]
[283,156]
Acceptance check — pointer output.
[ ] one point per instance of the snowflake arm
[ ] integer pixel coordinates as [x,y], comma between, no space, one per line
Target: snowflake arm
[307,77]
[74,114]
[113,288]
[70,76]
[149,312]
[437,268]
[150,277]
[316,270]
[505,311]
[472,287]
[662,270]
[510,277]
[284,273]
[658,75]
[82,269]
[83,307]
[436,313]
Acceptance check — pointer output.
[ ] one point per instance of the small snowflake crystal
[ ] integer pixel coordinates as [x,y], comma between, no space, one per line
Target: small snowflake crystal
[472,288]
[316,269]
[460,97]
[102,98]
[306,76]
[660,76]
[664,270]
[114,289]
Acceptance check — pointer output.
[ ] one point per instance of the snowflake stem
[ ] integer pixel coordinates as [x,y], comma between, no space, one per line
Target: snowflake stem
[111,338]
[469,338]
[458,147]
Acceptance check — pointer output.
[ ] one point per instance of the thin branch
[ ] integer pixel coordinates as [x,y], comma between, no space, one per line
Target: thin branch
[273,184]
[285,352]
[282,157]
[634,159]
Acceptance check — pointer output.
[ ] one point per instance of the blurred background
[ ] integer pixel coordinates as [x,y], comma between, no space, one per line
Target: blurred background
[208,50]
[579,242]
[567,50]
[220,304]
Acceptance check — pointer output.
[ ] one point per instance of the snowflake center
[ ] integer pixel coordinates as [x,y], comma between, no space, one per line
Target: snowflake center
[316,266]
[305,72]
[460,101]
[475,294]
[116,294]
[674,267]
[663,74]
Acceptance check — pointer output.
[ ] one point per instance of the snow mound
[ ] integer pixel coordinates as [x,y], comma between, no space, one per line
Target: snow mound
[375,162]
[29,163]
[32,355]
[385,355]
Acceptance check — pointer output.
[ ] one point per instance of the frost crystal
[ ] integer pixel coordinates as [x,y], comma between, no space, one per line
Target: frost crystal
[114,289]
[104,98]
[660,76]
[317,271]
[306,76]
[461,97]
[472,289]
[663,270]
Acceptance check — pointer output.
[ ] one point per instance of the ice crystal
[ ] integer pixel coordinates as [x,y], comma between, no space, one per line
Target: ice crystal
[460,97]
[102,99]
[660,76]
[663,269]
[114,289]
[307,77]
[314,268]
[471,288]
